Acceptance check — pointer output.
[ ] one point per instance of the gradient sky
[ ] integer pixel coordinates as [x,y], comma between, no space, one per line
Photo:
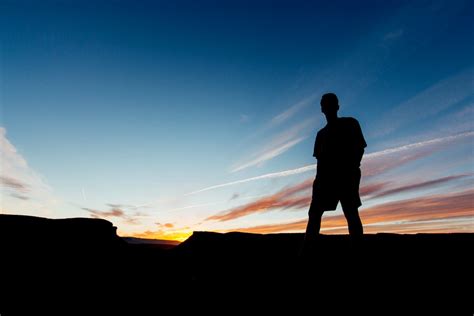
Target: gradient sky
[166,117]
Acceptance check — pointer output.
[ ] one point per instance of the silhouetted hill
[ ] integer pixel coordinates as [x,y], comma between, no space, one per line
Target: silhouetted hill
[83,261]
[237,244]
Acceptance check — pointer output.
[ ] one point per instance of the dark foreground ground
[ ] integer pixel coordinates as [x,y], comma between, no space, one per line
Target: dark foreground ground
[80,264]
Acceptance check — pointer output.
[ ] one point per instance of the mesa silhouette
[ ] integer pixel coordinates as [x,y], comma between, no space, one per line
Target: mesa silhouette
[65,256]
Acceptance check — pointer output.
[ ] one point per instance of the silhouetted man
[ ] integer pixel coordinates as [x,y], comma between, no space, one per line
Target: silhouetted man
[339,147]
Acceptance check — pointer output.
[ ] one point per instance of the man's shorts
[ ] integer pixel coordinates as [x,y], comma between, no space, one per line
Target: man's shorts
[329,189]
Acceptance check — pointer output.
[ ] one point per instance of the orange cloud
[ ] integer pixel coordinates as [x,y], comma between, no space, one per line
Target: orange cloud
[282,199]
[274,228]
[166,225]
[434,213]
[290,197]
[450,205]
[457,225]
[372,188]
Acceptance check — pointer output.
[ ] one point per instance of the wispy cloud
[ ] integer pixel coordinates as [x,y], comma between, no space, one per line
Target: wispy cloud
[165,225]
[299,196]
[261,177]
[14,184]
[115,212]
[19,196]
[18,180]
[438,206]
[372,188]
[286,198]
[293,226]
[122,206]
[268,154]
[295,108]
[419,185]
[378,162]
[428,102]
[439,226]
[194,206]
[83,192]
[373,163]
[281,143]
[428,214]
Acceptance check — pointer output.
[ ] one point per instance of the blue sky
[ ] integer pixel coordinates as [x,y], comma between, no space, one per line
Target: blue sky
[120,109]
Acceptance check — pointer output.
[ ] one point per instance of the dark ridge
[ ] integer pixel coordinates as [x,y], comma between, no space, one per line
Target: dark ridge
[81,262]
[31,231]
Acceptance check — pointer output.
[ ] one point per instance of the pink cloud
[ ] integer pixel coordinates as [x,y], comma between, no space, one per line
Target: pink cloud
[436,213]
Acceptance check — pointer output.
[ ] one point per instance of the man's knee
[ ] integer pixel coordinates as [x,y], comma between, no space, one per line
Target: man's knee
[352,216]
[352,212]
[315,211]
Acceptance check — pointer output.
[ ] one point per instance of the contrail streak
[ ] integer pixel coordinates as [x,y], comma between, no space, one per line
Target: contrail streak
[312,167]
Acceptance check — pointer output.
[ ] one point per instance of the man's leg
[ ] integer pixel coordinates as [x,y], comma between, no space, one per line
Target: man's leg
[353,221]
[312,230]
[314,222]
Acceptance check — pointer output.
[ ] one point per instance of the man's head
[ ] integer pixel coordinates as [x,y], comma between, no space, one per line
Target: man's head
[329,104]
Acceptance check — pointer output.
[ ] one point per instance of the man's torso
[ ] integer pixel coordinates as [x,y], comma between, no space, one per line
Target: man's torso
[338,146]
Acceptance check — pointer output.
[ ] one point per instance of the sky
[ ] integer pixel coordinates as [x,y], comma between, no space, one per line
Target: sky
[168,117]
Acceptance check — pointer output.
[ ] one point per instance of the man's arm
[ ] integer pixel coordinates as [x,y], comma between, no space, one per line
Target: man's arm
[359,142]
[316,150]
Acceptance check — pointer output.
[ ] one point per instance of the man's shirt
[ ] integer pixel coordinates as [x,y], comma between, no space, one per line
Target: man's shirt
[339,146]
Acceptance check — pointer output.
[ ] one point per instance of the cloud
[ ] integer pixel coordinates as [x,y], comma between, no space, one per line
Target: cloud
[166,225]
[419,185]
[286,199]
[372,163]
[113,205]
[19,181]
[14,184]
[426,103]
[438,206]
[292,110]
[19,196]
[372,188]
[281,143]
[283,199]
[129,207]
[293,226]
[270,153]
[261,177]
[435,213]
[83,193]
[384,160]
[194,206]
[454,225]
[114,212]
